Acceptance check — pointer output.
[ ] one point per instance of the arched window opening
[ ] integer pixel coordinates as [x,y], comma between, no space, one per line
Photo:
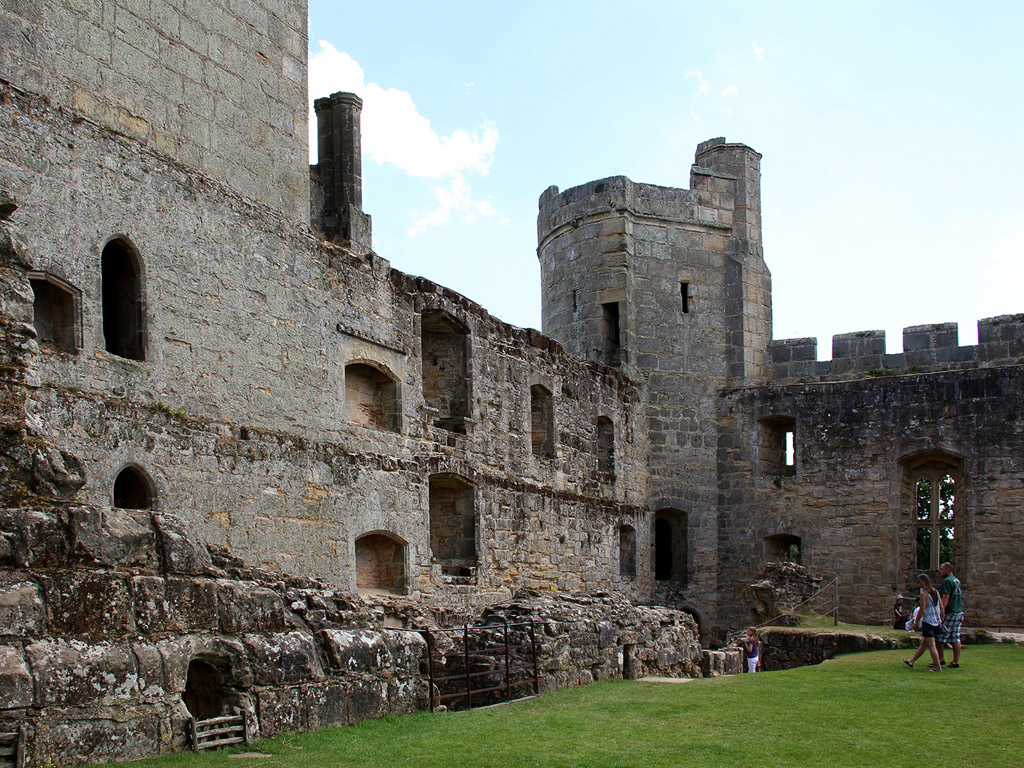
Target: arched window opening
[371,398]
[932,490]
[55,307]
[627,552]
[205,694]
[445,370]
[542,421]
[778,445]
[782,548]
[453,525]
[670,546]
[605,446]
[121,275]
[935,503]
[380,564]
[133,490]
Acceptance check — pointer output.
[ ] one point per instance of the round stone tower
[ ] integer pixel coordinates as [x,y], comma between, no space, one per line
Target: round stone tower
[668,284]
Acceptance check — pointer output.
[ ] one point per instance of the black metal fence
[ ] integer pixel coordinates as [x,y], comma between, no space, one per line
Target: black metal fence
[475,666]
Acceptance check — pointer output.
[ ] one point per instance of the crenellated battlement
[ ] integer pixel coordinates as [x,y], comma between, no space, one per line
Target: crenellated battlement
[926,349]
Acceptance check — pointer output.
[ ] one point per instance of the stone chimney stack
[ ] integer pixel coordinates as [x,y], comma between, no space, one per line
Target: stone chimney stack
[338,203]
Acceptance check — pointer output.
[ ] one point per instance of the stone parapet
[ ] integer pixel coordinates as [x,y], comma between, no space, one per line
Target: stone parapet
[926,349]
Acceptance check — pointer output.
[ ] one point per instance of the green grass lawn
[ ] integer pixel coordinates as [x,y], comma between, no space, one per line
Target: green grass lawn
[859,710]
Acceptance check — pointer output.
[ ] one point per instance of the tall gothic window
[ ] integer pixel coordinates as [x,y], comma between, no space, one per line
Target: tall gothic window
[934,519]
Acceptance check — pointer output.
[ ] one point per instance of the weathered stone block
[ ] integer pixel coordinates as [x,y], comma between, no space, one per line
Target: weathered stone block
[174,604]
[117,538]
[22,611]
[245,607]
[368,700]
[17,688]
[34,538]
[88,604]
[355,650]
[97,740]
[283,659]
[75,673]
[183,551]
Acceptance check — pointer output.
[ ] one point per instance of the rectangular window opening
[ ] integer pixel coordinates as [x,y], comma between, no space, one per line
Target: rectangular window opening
[612,348]
[684,290]
[790,449]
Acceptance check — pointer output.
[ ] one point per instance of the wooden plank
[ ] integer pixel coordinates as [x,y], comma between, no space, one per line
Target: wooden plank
[222,743]
[219,720]
[207,732]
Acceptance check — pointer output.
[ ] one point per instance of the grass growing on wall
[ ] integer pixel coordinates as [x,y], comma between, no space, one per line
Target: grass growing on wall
[860,710]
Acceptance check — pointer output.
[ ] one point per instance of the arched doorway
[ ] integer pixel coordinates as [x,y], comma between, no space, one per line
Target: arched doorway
[380,564]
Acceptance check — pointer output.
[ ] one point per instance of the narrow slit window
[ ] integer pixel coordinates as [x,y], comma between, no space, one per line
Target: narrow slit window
[612,335]
[684,295]
[790,450]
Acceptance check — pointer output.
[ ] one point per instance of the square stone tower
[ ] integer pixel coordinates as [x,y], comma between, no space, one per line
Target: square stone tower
[218,86]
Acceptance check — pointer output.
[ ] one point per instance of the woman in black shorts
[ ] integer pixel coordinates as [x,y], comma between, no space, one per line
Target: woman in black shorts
[929,618]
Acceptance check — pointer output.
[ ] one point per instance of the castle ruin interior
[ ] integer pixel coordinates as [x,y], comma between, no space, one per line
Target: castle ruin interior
[238,445]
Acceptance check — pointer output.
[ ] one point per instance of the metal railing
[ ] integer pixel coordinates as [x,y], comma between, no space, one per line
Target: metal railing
[475,666]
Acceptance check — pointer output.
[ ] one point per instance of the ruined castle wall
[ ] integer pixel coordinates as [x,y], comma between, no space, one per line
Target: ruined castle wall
[218,86]
[858,447]
[237,414]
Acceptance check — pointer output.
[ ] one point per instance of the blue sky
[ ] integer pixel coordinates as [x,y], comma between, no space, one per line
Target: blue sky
[891,178]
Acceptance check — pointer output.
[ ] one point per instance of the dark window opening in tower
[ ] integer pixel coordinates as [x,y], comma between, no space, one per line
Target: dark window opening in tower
[612,347]
[132,490]
[778,445]
[662,550]
[605,446]
[627,552]
[122,302]
[54,315]
[671,546]
[542,422]
[684,290]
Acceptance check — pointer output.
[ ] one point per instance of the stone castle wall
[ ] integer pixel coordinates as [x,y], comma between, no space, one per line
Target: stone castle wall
[105,614]
[860,446]
[218,86]
[238,413]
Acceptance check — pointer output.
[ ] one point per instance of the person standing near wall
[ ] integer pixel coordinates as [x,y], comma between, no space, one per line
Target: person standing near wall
[753,648]
[953,605]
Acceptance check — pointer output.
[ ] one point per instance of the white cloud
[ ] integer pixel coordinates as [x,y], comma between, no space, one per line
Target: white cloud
[703,86]
[731,90]
[394,131]
[758,51]
[454,198]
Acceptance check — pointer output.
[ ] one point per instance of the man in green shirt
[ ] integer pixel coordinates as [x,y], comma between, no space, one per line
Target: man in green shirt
[953,609]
